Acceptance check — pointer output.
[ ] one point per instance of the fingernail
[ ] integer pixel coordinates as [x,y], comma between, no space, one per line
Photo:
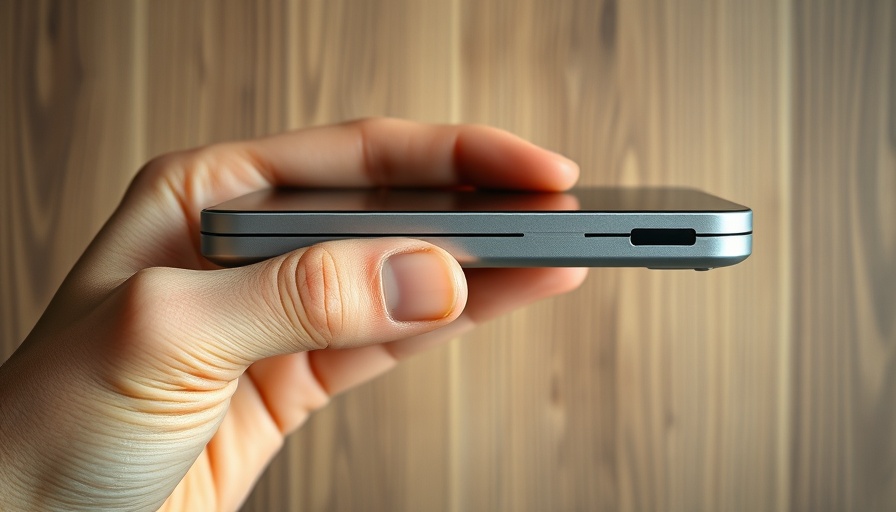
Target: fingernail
[418,286]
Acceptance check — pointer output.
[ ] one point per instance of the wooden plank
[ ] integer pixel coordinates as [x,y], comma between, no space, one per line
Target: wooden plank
[844,252]
[66,143]
[643,390]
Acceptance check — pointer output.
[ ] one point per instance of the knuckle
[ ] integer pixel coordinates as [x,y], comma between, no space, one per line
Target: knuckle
[312,296]
[177,169]
[160,167]
[145,288]
[376,163]
[143,315]
[369,127]
[147,299]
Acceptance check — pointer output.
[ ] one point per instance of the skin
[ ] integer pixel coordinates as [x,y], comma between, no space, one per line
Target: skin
[156,379]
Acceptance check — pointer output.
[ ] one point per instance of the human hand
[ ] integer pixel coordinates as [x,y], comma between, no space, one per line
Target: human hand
[156,379]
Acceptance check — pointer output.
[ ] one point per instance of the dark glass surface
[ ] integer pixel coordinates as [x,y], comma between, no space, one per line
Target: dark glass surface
[597,199]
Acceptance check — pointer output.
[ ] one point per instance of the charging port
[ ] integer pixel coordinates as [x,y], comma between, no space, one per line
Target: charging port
[663,237]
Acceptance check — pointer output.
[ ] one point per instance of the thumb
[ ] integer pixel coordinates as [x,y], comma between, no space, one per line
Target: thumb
[337,294]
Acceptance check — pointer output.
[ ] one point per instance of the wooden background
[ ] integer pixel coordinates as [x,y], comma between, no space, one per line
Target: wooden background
[767,386]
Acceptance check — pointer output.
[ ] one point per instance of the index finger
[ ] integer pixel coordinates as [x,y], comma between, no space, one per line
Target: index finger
[164,201]
[392,152]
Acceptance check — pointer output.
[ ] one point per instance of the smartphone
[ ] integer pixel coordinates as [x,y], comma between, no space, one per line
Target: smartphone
[660,227]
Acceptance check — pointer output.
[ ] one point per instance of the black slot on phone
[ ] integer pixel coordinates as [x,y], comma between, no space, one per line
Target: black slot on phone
[673,236]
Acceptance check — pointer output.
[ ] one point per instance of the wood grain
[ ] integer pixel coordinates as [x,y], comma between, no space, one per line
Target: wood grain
[667,398]
[844,148]
[67,143]
[765,386]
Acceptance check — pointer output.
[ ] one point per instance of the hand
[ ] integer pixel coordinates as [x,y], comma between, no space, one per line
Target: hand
[156,379]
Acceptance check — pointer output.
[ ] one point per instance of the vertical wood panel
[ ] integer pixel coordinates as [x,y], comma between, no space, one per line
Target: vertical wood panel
[844,188]
[644,390]
[66,143]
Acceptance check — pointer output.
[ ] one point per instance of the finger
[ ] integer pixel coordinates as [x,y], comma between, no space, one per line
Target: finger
[378,152]
[336,294]
[492,292]
[157,224]
[290,389]
[243,445]
[370,152]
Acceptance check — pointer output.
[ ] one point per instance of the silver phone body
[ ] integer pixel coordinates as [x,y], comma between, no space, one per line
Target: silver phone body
[662,228]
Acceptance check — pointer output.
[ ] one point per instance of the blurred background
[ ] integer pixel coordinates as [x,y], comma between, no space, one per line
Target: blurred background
[770,385]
